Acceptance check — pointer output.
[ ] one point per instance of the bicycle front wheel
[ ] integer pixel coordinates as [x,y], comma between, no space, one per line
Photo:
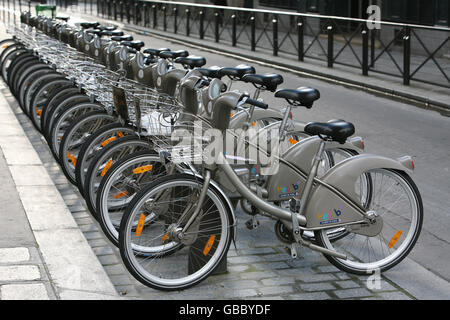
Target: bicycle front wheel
[150,242]
[121,183]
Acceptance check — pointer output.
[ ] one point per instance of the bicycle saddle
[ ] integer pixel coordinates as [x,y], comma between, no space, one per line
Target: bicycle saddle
[191,61]
[137,44]
[106,28]
[211,72]
[89,25]
[303,96]
[236,72]
[131,50]
[111,33]
[94,31]
[267,81]
[337,130]
[173,54]
[149,59]
[122,38]
[63,18]
[155,52]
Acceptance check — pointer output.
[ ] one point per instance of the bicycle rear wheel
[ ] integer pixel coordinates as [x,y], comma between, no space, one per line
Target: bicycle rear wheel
[397,204]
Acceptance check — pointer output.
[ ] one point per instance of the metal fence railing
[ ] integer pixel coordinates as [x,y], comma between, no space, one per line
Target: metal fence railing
[410,52]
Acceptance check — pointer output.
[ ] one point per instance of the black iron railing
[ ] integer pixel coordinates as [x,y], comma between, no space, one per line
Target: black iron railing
[410,52]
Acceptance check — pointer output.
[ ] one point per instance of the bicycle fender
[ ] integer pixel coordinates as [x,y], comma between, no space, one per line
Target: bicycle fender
[330,208]
[288,181]
[238,119]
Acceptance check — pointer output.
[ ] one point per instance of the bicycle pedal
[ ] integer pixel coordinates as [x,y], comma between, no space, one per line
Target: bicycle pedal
[252,224]
[292,251]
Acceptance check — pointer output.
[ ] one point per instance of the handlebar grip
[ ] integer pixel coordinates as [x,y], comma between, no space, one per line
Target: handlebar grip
[257,103]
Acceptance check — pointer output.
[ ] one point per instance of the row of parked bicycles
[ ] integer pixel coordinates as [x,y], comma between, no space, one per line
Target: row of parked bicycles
[164,150]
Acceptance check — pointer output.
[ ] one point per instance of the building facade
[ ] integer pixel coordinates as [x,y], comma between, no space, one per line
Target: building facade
[426,12]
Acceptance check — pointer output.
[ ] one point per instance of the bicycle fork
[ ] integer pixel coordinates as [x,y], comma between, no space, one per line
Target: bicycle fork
[191,212]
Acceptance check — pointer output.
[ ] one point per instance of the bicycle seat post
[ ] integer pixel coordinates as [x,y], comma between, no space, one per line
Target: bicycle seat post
[286,114]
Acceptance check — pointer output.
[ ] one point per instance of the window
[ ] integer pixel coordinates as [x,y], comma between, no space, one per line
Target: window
[282,4]
[427,12]
[442,13]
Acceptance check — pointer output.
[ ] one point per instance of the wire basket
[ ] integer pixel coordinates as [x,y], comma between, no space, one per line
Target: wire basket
[189,141]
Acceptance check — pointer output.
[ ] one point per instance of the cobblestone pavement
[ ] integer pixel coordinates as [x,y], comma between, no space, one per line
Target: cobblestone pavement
[258,268]
[38,235]
[23,275]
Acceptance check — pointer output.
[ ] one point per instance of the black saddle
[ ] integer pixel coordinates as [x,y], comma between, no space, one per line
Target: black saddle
[336,130]
[131,50]
[111,33]
[155,52]
[191,62]
[106,28]
[63,18]
[87,25]
[268,81]
[173,54]
[94,31]
[237,72]
[122,38]
[211,72]
[137,44]
[148,60]
[303,96]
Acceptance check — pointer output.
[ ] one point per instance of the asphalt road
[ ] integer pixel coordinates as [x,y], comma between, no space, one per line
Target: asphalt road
[389,128]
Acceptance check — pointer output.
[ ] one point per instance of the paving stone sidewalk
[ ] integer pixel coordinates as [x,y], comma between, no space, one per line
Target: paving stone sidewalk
[43,255]
[23,274]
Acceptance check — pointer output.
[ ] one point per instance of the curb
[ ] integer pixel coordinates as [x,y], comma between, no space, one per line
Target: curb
[73,268]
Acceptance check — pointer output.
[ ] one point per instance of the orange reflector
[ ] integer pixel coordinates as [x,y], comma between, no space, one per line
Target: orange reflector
[120,194]
[140,225]
[293,141]
[395,238]
[253,124]
[231,114]
[104,143]
[38,111]
[165,238]
[106,168]
[120,134]
[209,245]
[5,46]
[72,159]
[143,169]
